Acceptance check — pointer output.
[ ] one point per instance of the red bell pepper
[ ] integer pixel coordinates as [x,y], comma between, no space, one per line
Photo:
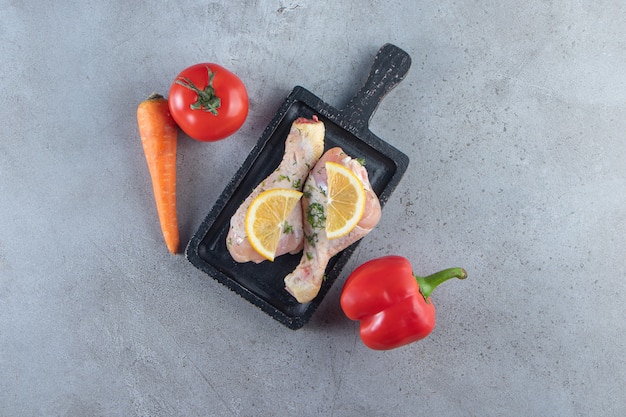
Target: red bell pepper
[392,304]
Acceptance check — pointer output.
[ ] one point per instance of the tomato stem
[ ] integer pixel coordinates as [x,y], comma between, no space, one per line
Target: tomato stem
[207,100]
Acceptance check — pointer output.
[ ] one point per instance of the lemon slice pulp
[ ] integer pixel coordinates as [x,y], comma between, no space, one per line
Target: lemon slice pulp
[266,219]
[346,200]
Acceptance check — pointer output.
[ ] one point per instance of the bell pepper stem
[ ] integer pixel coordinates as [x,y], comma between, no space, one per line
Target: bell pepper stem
[429,283]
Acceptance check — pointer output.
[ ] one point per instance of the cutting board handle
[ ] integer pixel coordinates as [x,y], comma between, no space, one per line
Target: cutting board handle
[390,66]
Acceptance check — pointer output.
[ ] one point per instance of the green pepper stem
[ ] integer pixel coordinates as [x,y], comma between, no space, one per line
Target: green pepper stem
[429,283]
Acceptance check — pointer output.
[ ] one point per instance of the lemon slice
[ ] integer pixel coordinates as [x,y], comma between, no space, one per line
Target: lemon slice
[346,200]
[266,219]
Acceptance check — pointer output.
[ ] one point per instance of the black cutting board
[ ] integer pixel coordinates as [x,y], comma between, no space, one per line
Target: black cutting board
[262,284]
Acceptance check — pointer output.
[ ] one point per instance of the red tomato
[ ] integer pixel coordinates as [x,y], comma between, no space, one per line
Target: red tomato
[208,102]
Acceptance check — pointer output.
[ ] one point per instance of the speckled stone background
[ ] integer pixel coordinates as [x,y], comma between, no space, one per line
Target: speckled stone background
[512,115]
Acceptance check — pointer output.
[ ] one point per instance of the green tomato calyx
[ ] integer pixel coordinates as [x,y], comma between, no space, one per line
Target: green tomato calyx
[207,100]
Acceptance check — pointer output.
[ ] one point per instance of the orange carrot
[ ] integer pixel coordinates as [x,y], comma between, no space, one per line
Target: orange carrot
[158,133]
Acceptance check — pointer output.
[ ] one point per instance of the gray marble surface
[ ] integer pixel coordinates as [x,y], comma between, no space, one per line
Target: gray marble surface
[512,115]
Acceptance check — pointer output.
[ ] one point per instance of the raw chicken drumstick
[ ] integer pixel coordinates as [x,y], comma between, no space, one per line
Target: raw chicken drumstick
[305,281]
[303,147]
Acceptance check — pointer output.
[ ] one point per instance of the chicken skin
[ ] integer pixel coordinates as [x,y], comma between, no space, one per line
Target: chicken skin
[305,281]
[303,147]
